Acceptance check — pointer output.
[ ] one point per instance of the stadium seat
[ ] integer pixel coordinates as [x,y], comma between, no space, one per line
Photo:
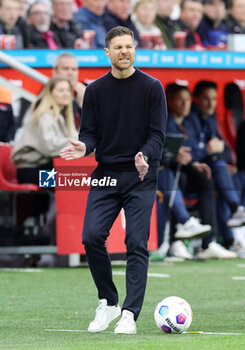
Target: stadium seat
[9,182]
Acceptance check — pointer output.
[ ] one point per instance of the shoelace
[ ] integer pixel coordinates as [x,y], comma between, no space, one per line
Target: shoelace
[100,312]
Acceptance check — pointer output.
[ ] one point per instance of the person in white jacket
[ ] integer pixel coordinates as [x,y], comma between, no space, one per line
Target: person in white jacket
[46,131]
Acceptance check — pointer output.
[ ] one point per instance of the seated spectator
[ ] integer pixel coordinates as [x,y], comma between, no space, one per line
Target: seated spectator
[209,147]
[212,29]
[38,33]
[91,17]
[117,13]
[66,65]
[195,178]
[235,20]
[144,16]
[9,14]
[7,121]
[167,25]
[47,130]
[191,12]
[62,24]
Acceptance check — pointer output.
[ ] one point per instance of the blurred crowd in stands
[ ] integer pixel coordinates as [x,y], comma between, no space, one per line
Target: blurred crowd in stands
[157,24]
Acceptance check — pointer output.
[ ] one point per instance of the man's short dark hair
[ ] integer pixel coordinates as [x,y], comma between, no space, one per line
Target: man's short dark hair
[117,31]
[173,88]
[203,85]
[182,3]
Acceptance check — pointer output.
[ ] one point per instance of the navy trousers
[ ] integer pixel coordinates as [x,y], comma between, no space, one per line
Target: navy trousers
[103,206]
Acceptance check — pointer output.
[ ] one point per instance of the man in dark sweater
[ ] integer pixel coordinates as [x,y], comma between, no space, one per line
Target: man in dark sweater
[124,118]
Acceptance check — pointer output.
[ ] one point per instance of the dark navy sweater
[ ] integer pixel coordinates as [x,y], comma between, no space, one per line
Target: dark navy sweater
[121,117]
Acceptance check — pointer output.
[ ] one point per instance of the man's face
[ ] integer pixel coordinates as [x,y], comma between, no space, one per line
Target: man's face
[121,52]
[63,9]
[238,11]
[191,14]
[9,12]
[39,17]
[215,9]
[120,8]
[207,101]
[95,6]
[68,68]
[180,104]
[165,7]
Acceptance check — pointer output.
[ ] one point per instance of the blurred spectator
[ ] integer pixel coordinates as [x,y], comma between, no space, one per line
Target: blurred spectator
[167,25]
[236,17]
[38,33]
[9,14]
[66,65]
[209,147]
[212,29]
[144,16]
[190,17]
[91,17]
[195,179]
[117,13]
[47,130]
[7,121]
[62,24]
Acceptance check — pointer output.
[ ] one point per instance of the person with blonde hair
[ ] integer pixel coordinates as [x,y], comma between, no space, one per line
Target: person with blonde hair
[47,130]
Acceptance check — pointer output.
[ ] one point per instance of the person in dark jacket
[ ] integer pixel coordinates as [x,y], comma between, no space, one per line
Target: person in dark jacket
[212,29]
[191,12]
[117,13]
[167,25]
[124,118]
[38,31]
[7,121]
[62,24]
[208,146]
[9,14]
[235,20]
[91,17]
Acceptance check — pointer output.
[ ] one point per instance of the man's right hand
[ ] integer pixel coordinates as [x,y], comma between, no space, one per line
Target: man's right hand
[184,156]
[75,151]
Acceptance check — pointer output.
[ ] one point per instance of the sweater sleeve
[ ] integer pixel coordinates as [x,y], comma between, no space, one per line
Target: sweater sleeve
[157,121]
[88,133]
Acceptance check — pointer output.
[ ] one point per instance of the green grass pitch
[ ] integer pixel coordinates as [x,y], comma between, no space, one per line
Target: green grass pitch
[51,308]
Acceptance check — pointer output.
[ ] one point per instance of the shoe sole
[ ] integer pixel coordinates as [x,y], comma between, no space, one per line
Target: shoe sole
[134,332]
[198,235]
[235,225]
[107,325]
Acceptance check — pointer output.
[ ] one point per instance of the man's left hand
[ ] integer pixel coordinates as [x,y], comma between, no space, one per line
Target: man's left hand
[141,165]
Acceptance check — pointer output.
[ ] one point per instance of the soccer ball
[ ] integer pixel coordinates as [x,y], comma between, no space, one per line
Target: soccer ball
[173,315]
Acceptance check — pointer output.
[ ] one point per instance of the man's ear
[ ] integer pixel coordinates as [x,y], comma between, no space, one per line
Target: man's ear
[107,52]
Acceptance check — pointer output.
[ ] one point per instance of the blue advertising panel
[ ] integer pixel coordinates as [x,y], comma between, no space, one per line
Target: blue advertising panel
[143,58]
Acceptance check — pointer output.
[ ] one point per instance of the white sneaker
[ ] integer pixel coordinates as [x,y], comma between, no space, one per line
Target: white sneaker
[216,251]
[238,218]
[127,324]
[104,314]
[191,229]
[179,250]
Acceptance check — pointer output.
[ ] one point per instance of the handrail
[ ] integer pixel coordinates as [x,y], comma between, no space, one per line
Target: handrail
[12,62]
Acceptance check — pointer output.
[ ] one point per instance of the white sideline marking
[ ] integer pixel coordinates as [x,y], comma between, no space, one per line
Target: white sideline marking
[19,270]
[241,265]
[211,333]
[238,278]
[191,332]
[150,274]
[73,330]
